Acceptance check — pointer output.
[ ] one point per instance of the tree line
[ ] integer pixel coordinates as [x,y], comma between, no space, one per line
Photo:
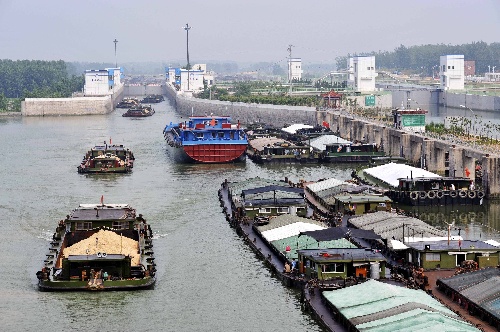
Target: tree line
[424,59]
[37,78]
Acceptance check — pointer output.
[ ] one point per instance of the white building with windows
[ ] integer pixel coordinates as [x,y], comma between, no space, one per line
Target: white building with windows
[451,72]
[361,73]
[189,80]
[294,69]
[102,82]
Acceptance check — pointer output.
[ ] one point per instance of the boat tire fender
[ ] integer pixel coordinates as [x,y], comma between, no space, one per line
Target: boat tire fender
[414,195]
[453,194]
[462,193]
[480,194]
[472,194]
[440,194]
[431,194]
[423,194]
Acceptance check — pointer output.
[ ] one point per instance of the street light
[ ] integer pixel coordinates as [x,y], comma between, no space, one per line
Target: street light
[473,116]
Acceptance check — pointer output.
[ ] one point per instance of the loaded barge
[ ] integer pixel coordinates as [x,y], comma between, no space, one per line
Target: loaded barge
[100,247]
[107,159]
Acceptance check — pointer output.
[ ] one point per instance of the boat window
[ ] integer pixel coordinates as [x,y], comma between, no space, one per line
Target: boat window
[334,267]
[199,135]
[432,257]
[231,135]
[120,224]
[221,134]
[83,226]
[265,210]
[213,135]
[283,210]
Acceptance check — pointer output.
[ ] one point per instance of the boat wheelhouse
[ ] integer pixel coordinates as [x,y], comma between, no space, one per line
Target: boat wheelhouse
[100,247]
[107,159]
[351,152]
[207,139]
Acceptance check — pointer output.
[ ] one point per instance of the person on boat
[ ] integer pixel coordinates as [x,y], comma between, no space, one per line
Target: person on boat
[294,265]
[287,268]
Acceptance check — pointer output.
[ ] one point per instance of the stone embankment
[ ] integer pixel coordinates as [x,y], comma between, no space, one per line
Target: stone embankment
[436,154]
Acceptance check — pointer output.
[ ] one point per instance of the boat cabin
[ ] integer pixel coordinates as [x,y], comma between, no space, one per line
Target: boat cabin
[341,263]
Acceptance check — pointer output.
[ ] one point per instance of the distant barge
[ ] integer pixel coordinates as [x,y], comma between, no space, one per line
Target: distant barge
[107,159]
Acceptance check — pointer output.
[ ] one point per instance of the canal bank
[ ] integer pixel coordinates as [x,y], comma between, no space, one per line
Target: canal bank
[436,155]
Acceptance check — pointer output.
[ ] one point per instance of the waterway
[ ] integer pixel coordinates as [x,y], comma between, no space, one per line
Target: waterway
[208,279]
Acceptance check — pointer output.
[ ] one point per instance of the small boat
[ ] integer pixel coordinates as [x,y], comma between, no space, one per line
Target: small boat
[153,99]
[351,152]
[107,159]
[139,111]
[414,186]
[128,103]
[100,247]
[207,139]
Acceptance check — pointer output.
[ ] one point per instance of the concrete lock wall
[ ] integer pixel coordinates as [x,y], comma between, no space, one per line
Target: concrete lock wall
[418,149]
[71,106]
[144,90]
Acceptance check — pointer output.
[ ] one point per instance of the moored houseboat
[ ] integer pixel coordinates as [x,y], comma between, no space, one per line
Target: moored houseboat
[414,186]
[107,159]
[207,139]
[278,150]
[100,247]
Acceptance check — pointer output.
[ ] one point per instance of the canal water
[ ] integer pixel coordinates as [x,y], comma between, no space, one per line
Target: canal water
[208,279]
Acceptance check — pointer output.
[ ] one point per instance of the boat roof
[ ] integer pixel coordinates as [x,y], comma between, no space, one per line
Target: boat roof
[480,287]
[76,258]
[261,142]
[292,129]
[390,225]
[322,141]
[108,147]
[327,184]
[458,245]
[335,233]
[391,173]
[102,212]
[362,198]
[374,305]
[336,254]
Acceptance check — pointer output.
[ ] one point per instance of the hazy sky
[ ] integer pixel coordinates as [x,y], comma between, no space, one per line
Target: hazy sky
[232,30]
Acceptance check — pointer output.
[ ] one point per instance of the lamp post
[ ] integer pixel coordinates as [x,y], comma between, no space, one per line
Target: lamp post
[116,62]
[187,28]
[473,116]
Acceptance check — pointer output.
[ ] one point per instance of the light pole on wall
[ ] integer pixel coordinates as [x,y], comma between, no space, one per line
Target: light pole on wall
[473,122]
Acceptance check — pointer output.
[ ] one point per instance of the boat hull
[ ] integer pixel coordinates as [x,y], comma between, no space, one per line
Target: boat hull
[108,285]
[87,170]
[214,153]
[421,198]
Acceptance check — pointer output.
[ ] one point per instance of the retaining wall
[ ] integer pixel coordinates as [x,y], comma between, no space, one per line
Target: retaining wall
[71,106]
[414,147]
